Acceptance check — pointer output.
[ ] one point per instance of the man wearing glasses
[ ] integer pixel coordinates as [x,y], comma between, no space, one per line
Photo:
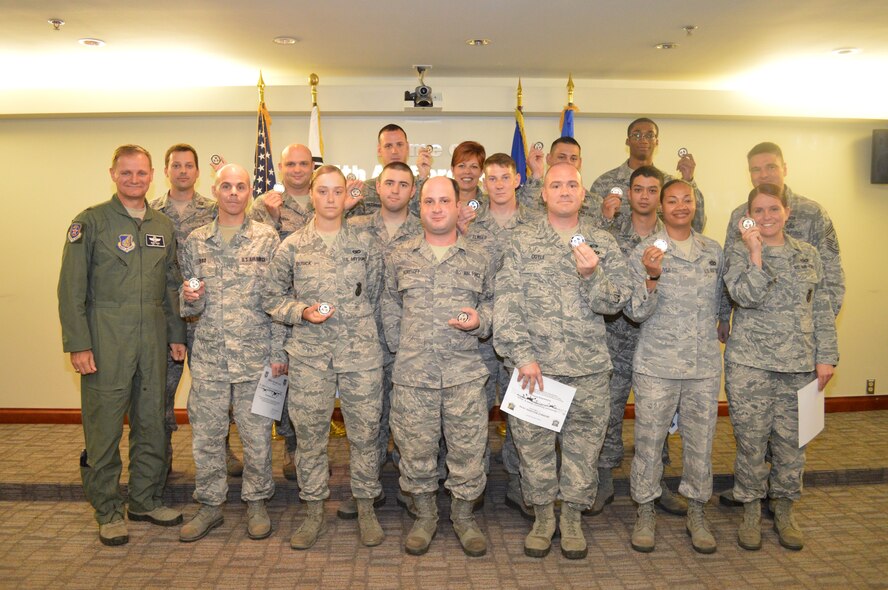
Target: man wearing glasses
[643,139]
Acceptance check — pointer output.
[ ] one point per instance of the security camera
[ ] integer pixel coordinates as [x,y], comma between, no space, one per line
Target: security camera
[422,94]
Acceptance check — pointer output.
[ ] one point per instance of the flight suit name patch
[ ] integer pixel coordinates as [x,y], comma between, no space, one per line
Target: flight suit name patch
[154,241]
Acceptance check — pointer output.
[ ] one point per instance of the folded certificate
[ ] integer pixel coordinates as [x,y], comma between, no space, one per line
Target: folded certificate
[546,408]
[268,400]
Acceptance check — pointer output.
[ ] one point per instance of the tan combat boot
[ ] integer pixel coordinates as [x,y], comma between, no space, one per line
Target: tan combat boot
[312,527]
[371,532]
[420,536]
[258,523]
[207,518]
[785,524]
[289,466]
[573,543]
[698,529]
[643,534]
[671,502]
[749,535]
[473,542]
[539,540]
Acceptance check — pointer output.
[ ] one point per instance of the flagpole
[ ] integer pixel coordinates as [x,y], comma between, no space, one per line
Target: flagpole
[313,80]
[261,86]
[570,90]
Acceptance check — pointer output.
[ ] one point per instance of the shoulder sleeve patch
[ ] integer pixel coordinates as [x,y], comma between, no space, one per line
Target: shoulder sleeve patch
[75,232]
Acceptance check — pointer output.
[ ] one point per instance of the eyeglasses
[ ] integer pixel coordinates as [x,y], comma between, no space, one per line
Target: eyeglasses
[638,136]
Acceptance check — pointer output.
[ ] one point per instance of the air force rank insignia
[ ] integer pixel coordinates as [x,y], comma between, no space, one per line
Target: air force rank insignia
[154,241]
[75,232]
[125,243]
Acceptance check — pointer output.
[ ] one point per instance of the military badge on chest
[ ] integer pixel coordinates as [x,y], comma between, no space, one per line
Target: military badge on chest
[125,243]
[155,241]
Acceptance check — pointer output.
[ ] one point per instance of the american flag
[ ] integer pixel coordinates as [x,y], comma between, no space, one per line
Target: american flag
[263,166]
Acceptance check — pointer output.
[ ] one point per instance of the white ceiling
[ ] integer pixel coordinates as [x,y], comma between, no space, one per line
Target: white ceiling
[600,39]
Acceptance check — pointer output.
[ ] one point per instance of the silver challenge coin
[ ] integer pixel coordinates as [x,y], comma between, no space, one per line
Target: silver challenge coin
[351,177]
[539,146]
[617,191]
[427,148]
[682,152]
[278,188]
[356,193]
[661,244]
[576,240]
[324,309]
[463,317]
[194,283]
[474,204]
[747,223]
[215,159]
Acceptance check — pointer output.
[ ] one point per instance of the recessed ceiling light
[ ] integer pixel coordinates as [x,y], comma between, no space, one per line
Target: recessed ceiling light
[56,23]
[286,40]
[666,45]
[478,42]
[846,50]
[90,42]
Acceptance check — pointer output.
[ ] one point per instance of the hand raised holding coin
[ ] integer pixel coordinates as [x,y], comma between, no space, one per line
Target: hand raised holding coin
[752,238]
[536,160]
[318,313]
[466,320]
[586,258]
[424,162]
[217,161]
[193,289]
[686,165]
[652,259]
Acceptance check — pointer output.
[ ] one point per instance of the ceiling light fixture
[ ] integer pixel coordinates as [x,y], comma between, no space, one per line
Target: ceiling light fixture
[689,29]
[478,42]
[286,40]
[666,45]
[90,42]
[56,23]
[846,50]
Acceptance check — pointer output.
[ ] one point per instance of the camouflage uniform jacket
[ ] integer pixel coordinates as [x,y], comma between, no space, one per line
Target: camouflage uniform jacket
[347,275]
[411,228]
[198,212]
[421,294]
[545,312]
[487,234]
[293,216]
[619,177]
[234,338]
[808,222]
[371,203]
[627,238]
[678,319]
[783,320]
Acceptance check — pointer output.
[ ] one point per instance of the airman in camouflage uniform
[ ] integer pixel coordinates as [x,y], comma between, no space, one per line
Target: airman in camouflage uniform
[498,217]
[437,303]
[325,281]
[550,300]
[234,340]
[783,331]
[809,223]
[622,339]
[677,365]
[392,224]
[188,210]
[392,146]
[643,138]
[564,149]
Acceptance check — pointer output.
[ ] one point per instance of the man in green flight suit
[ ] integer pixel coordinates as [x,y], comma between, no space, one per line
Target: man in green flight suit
[117,305]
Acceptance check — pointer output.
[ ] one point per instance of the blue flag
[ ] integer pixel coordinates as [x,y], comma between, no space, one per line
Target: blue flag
[567,121]
[519,146]
[263,167]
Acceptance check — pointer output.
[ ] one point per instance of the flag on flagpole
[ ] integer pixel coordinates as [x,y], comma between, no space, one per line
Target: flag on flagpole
[567,120]
[263,166]
[519,146]
[315,140]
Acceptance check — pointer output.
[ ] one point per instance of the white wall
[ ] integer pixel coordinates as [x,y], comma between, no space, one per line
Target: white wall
[54,166]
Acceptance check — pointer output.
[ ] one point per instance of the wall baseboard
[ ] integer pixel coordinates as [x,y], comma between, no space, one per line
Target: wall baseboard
[72,415]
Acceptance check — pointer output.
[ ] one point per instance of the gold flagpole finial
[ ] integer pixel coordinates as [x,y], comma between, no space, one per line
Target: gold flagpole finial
[570,89]
[261,86]
[520,94]
[313,80]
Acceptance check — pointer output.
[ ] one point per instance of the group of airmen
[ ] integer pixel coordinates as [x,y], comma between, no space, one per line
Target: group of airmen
[414,298]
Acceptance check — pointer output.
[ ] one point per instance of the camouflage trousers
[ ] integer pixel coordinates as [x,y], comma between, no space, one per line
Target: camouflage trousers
[656,401]
[310,403]
[580,440]
[499,375]
[421,416]
[765,410]
[208,407]
[621,345]
[174,376]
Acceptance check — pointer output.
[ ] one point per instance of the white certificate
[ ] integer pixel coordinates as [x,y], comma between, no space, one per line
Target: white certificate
[545,407]
[268,400]
[811,408]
